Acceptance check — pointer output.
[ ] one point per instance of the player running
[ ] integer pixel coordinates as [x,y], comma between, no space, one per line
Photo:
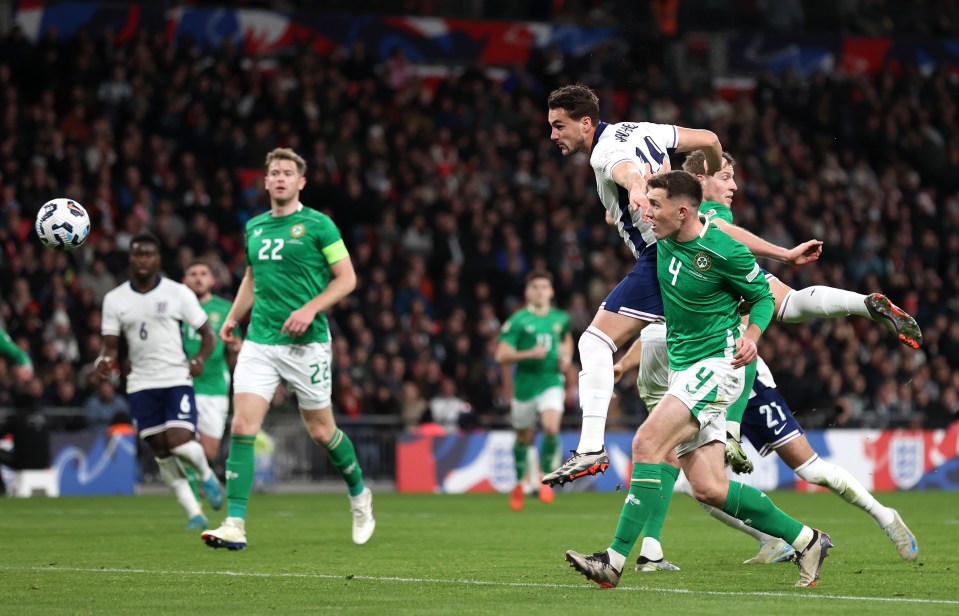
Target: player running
[703,274]
[297,268]
[618,154]
[770,426]
[792,306]
[147,310]
[212,386]
[535,349]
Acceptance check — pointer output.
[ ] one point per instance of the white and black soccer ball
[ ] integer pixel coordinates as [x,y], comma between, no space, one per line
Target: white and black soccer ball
[63,224]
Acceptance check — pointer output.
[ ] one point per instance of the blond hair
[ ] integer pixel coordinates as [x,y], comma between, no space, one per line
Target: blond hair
[286,154]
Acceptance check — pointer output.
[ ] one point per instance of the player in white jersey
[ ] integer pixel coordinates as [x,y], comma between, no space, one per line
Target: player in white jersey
[619,155]
[148,311]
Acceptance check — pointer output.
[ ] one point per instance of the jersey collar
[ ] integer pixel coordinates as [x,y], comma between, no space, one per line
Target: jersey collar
[599,131]
[156,283]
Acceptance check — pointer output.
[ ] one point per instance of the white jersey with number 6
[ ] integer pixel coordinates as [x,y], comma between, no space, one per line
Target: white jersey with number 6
[151,324]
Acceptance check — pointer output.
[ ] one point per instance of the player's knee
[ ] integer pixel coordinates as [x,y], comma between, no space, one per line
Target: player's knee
[243,425]
[595,345]
[710,493]
[821,473]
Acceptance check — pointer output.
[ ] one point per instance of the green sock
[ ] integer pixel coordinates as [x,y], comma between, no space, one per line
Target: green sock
[734,412]
[547,451]
[194,482]
[654,525]
[343,456]
[520,457]
[643,494]
[239,474]
[755,509]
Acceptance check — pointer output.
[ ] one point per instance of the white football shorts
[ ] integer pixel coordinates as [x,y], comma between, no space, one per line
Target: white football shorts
[524,413]
[306,368]
[707,388]
[211,412]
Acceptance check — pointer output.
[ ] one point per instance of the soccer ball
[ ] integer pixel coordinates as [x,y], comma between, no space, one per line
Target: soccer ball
[63,224]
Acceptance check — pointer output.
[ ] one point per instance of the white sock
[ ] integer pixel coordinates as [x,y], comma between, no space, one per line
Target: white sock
[652,549]
[839,480]
[735,523]
[820,302]
[617,560]
[802,541]
[191,454]
[595,387]
[173,476]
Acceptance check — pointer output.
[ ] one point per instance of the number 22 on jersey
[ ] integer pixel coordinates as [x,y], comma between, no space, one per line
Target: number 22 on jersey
[270,250]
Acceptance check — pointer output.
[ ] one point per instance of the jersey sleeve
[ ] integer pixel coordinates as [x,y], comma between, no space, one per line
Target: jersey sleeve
[331,242]
[712,209]
[665,135]
[508,333]
[746,277]
[9,348]
[109,319]
[609,153]
[191,310]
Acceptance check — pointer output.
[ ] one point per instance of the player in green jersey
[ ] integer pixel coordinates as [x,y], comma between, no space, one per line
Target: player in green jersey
[212,386]
[297,268]
[535,349]
[702,273]
[792,306]
[22,373]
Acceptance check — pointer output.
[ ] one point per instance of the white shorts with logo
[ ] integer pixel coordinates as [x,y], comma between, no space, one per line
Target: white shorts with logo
[524,414]
[707,388]
[211,412]
[306,368]
[653,377]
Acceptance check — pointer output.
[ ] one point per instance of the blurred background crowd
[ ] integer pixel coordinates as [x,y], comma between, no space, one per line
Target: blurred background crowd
[449,191]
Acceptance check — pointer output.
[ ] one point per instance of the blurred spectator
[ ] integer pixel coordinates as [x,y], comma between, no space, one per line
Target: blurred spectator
[104,405]
[446,408]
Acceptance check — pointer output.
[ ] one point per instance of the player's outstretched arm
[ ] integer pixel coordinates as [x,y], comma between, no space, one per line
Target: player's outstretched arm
[689,139]
[507,354]
[632,177]
[241,306]
[806,252]
[342,282]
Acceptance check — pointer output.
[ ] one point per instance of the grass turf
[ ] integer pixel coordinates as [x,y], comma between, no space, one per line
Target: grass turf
[463,554]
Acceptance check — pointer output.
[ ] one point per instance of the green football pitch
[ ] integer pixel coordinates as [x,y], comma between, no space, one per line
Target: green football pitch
[454,554]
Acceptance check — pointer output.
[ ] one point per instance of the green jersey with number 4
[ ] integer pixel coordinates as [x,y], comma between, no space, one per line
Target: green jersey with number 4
[215,378]
[291,258]
[701,282]
[524,330]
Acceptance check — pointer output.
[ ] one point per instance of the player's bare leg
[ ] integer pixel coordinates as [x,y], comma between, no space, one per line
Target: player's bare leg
[596,348]
[804,460]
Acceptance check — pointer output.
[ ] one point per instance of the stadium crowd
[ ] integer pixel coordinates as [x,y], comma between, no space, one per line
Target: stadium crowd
[449,190]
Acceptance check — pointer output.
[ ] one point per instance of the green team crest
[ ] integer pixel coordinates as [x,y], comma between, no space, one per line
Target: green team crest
[215,317]
[297,230]
[702,261]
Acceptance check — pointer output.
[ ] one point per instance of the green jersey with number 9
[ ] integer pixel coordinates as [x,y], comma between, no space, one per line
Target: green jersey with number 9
[701,281]
[291,258]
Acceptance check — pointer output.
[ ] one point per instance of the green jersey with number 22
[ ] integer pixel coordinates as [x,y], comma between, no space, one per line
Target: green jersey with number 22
[291,258]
